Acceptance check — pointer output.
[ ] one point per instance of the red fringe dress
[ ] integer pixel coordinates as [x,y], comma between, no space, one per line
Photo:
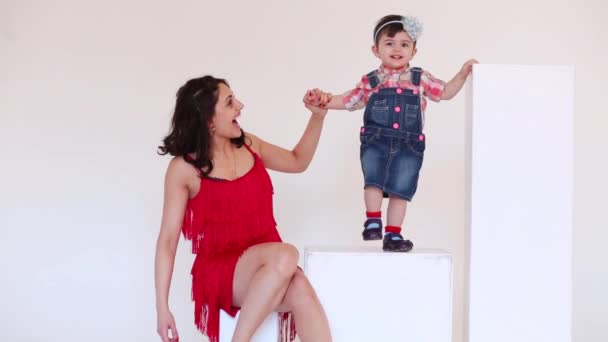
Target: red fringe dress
[224,219]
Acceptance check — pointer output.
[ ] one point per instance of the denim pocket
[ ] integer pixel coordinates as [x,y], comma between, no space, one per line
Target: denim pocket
[380,114]
[367,138]
[410,116]
[417,147]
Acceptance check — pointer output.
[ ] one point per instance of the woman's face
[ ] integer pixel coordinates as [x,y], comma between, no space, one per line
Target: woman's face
[227,110]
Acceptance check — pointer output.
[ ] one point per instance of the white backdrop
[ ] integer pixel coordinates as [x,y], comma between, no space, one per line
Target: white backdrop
[86,93]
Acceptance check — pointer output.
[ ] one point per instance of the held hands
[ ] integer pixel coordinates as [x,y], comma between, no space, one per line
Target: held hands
[316,100]
[165,326]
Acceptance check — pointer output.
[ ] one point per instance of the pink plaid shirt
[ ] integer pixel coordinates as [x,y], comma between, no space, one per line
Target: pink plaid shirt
[357,98]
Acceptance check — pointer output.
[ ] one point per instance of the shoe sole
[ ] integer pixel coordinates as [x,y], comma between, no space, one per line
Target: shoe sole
[397,250]
[372,238]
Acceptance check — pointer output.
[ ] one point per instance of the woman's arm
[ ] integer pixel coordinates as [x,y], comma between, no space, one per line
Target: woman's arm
[175,200]
[297,160]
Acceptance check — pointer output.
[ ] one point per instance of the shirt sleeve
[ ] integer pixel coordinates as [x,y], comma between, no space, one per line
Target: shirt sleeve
[433,87]
[357,98]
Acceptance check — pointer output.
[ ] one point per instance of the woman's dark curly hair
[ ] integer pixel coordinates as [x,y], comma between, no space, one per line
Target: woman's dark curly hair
[190,133]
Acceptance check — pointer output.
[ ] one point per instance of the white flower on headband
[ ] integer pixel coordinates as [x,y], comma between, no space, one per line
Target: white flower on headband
[412,26]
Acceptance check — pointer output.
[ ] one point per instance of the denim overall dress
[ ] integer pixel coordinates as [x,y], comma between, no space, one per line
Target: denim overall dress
[392,142]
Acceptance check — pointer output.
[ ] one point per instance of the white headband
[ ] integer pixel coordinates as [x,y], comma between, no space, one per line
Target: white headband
[411,25]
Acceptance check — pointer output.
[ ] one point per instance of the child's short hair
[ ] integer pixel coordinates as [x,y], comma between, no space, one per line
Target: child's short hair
[393,24]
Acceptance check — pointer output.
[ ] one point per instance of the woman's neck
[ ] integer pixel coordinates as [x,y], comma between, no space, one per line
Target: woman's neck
[222,146]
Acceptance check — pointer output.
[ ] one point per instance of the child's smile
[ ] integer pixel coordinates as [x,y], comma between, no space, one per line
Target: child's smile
[395,52]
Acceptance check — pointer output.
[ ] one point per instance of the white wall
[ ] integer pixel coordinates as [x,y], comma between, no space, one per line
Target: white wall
[86,91]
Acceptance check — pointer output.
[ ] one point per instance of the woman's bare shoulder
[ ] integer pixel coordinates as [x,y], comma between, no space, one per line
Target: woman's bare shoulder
[178,166]
[182,173]
[253,141]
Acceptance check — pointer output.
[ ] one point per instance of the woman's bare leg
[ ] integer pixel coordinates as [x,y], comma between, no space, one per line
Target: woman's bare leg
[261,278]
[301,299]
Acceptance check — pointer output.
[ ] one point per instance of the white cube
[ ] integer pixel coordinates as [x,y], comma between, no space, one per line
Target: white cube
[520,169]
[370,295]
[268,331]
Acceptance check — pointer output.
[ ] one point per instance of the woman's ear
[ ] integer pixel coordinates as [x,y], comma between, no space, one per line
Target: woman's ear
[211,127]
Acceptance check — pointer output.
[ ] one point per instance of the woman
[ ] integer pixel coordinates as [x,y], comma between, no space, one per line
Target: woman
[218,193]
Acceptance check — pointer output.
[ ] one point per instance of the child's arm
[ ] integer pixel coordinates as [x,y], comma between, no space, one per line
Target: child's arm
[455,84]
[351,100]
[334,102]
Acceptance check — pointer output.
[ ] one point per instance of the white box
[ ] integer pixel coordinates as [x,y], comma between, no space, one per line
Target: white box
[520,168]
[268,331]
[370,295]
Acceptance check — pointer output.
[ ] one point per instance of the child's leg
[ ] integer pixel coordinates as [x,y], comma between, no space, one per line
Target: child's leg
[393,240]
[373,224]
[396,211]
[373,199]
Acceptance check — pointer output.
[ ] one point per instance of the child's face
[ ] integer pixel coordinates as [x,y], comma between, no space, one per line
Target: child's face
[395,52]
[227,110]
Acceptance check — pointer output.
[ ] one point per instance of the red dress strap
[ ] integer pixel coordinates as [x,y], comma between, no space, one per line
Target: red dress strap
[251,150]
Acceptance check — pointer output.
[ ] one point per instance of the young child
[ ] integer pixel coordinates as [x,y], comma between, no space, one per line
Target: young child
[392,139]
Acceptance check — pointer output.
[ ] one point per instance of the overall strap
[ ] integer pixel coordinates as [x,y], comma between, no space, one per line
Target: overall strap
[416,80]
[372,77]
[416,75]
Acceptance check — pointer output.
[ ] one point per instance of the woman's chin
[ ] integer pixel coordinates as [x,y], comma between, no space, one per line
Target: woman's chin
[237,133]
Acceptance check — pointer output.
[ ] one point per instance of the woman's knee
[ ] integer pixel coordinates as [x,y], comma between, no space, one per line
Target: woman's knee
[285,259]
[300,291]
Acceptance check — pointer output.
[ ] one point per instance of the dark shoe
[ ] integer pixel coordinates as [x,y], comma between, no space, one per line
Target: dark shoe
[372,233]
[394,242]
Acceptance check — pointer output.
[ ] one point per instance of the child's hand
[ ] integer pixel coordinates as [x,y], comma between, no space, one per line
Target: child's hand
[455,84]
[468,67]
[317,98]
[324,98]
